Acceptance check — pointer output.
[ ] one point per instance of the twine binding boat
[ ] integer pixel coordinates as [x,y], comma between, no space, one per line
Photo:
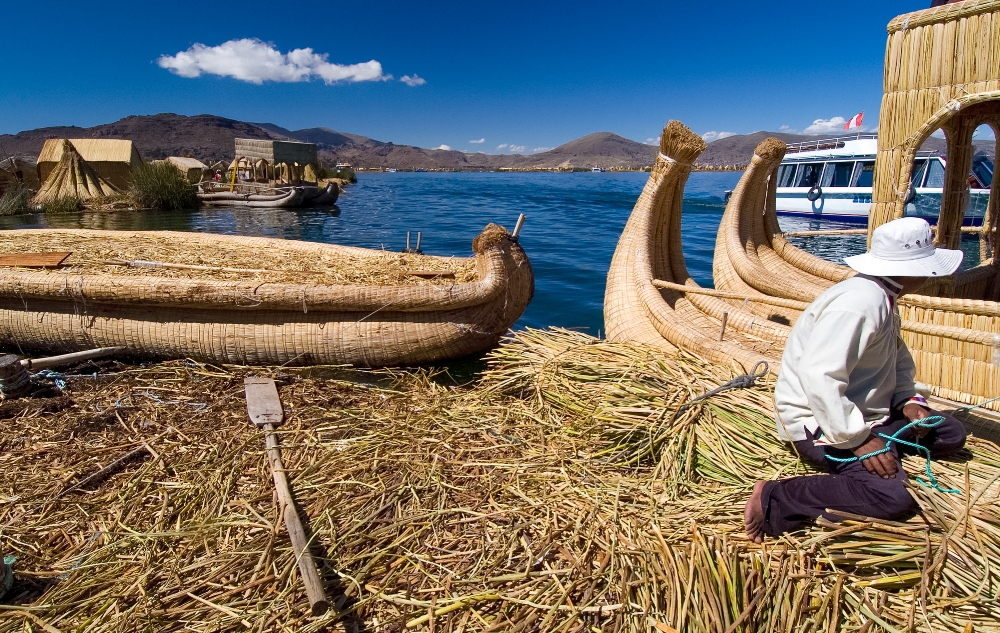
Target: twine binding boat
[251,321]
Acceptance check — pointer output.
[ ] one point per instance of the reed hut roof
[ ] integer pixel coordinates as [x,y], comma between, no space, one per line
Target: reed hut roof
[183,162]
[192,168]
[112,159]
[276,151]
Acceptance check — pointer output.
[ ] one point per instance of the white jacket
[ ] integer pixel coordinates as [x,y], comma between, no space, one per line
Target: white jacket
[844,365]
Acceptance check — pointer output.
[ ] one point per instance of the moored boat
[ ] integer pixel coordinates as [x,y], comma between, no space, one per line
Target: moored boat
[831,179]
[299,310]
[273,199]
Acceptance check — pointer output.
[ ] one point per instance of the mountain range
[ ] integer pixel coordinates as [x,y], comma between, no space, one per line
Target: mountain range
[211,138]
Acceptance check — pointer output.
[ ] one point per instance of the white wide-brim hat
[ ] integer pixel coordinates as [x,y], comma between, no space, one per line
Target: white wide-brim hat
[905,248]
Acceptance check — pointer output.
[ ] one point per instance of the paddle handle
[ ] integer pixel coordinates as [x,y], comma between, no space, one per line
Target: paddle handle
[296,532]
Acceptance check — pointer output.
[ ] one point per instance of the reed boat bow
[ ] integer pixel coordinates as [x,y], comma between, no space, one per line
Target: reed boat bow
[643,300]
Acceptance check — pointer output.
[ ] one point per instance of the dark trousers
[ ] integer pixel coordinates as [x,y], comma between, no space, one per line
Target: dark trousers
[790,504]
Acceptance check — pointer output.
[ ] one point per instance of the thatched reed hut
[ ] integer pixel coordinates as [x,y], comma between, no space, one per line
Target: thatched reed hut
[192,168]
[112,159]
[19,168]
[72,177]
[286,161]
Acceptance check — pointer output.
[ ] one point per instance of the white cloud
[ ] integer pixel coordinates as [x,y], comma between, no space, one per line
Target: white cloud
[540,149]
[482,140]
[444,147]
[255,61]
[715,136]
[510,147]
[826,126]
[786,129]
[653,141]
[414,80]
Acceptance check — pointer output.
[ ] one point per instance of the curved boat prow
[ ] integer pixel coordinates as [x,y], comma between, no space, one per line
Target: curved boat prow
[647,299]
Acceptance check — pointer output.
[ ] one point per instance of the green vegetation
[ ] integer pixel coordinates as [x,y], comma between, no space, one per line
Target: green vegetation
[66,204]
[15,199]
[346,174]
[161,186]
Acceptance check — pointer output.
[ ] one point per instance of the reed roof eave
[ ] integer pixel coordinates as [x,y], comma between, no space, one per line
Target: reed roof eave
[943,13]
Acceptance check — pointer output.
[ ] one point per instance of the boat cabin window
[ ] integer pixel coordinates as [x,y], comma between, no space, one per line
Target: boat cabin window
[808,174]
[935,174]
[864,174]
[917,176]
[838,175]
[982,168]
[786,175]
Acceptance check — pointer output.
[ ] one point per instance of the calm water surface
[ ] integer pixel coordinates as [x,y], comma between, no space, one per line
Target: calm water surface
[573,224]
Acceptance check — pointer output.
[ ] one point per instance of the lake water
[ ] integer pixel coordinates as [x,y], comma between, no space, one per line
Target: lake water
[572,227]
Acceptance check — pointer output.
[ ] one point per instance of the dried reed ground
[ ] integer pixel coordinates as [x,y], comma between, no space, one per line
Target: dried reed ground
[562,492]
[90,253]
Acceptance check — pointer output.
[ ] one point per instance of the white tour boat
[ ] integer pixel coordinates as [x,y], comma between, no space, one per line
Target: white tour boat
[831,179]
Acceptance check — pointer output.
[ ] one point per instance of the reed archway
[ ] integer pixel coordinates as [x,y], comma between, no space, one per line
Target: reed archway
[958,121]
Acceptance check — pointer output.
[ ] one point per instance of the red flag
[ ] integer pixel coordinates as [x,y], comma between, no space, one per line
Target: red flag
[855,121]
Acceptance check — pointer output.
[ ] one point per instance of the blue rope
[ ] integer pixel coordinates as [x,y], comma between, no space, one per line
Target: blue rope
[929,422]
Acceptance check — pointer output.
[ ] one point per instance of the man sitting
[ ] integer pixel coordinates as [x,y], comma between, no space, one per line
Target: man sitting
[847,376]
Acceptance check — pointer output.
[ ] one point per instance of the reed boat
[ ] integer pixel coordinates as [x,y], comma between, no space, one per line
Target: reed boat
[280,199]
[763,282]
[255,300]
[256,196]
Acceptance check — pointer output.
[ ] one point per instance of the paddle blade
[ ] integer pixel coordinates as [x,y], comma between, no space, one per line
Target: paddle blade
[263,403]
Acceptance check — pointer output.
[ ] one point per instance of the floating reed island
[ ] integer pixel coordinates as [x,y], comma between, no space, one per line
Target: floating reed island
[251,300]
[937,77]
[570,489]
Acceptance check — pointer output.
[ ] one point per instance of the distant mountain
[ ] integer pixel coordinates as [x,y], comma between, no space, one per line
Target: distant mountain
[211,138]
[738,150]
[205,136]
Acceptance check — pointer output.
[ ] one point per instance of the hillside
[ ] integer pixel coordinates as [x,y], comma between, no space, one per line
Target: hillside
[207,137]
[210,138]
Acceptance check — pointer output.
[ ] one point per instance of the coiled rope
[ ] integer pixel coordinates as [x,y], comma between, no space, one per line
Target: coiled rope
[929,422]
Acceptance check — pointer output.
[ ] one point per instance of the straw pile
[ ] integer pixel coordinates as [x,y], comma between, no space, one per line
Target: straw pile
[95,254]
[562,492]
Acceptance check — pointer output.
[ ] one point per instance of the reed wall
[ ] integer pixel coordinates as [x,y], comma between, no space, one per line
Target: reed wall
[942,71]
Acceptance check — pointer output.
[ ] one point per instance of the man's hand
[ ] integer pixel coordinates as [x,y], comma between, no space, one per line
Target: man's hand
[883,464]
[913,412]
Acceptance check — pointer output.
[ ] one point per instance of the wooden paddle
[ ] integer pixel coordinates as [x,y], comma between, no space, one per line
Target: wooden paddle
[264,408]
[34,260]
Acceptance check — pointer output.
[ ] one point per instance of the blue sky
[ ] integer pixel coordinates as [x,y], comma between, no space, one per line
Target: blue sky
[522,75]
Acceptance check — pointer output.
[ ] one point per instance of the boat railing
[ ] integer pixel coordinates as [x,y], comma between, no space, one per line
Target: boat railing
[826,143]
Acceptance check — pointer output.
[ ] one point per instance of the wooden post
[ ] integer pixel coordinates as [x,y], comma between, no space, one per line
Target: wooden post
[517,227]
[14,378]
[725,318]
[264,408]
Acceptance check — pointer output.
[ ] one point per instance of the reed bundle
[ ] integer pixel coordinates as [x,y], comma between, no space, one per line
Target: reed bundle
[109,253]
[564,491]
